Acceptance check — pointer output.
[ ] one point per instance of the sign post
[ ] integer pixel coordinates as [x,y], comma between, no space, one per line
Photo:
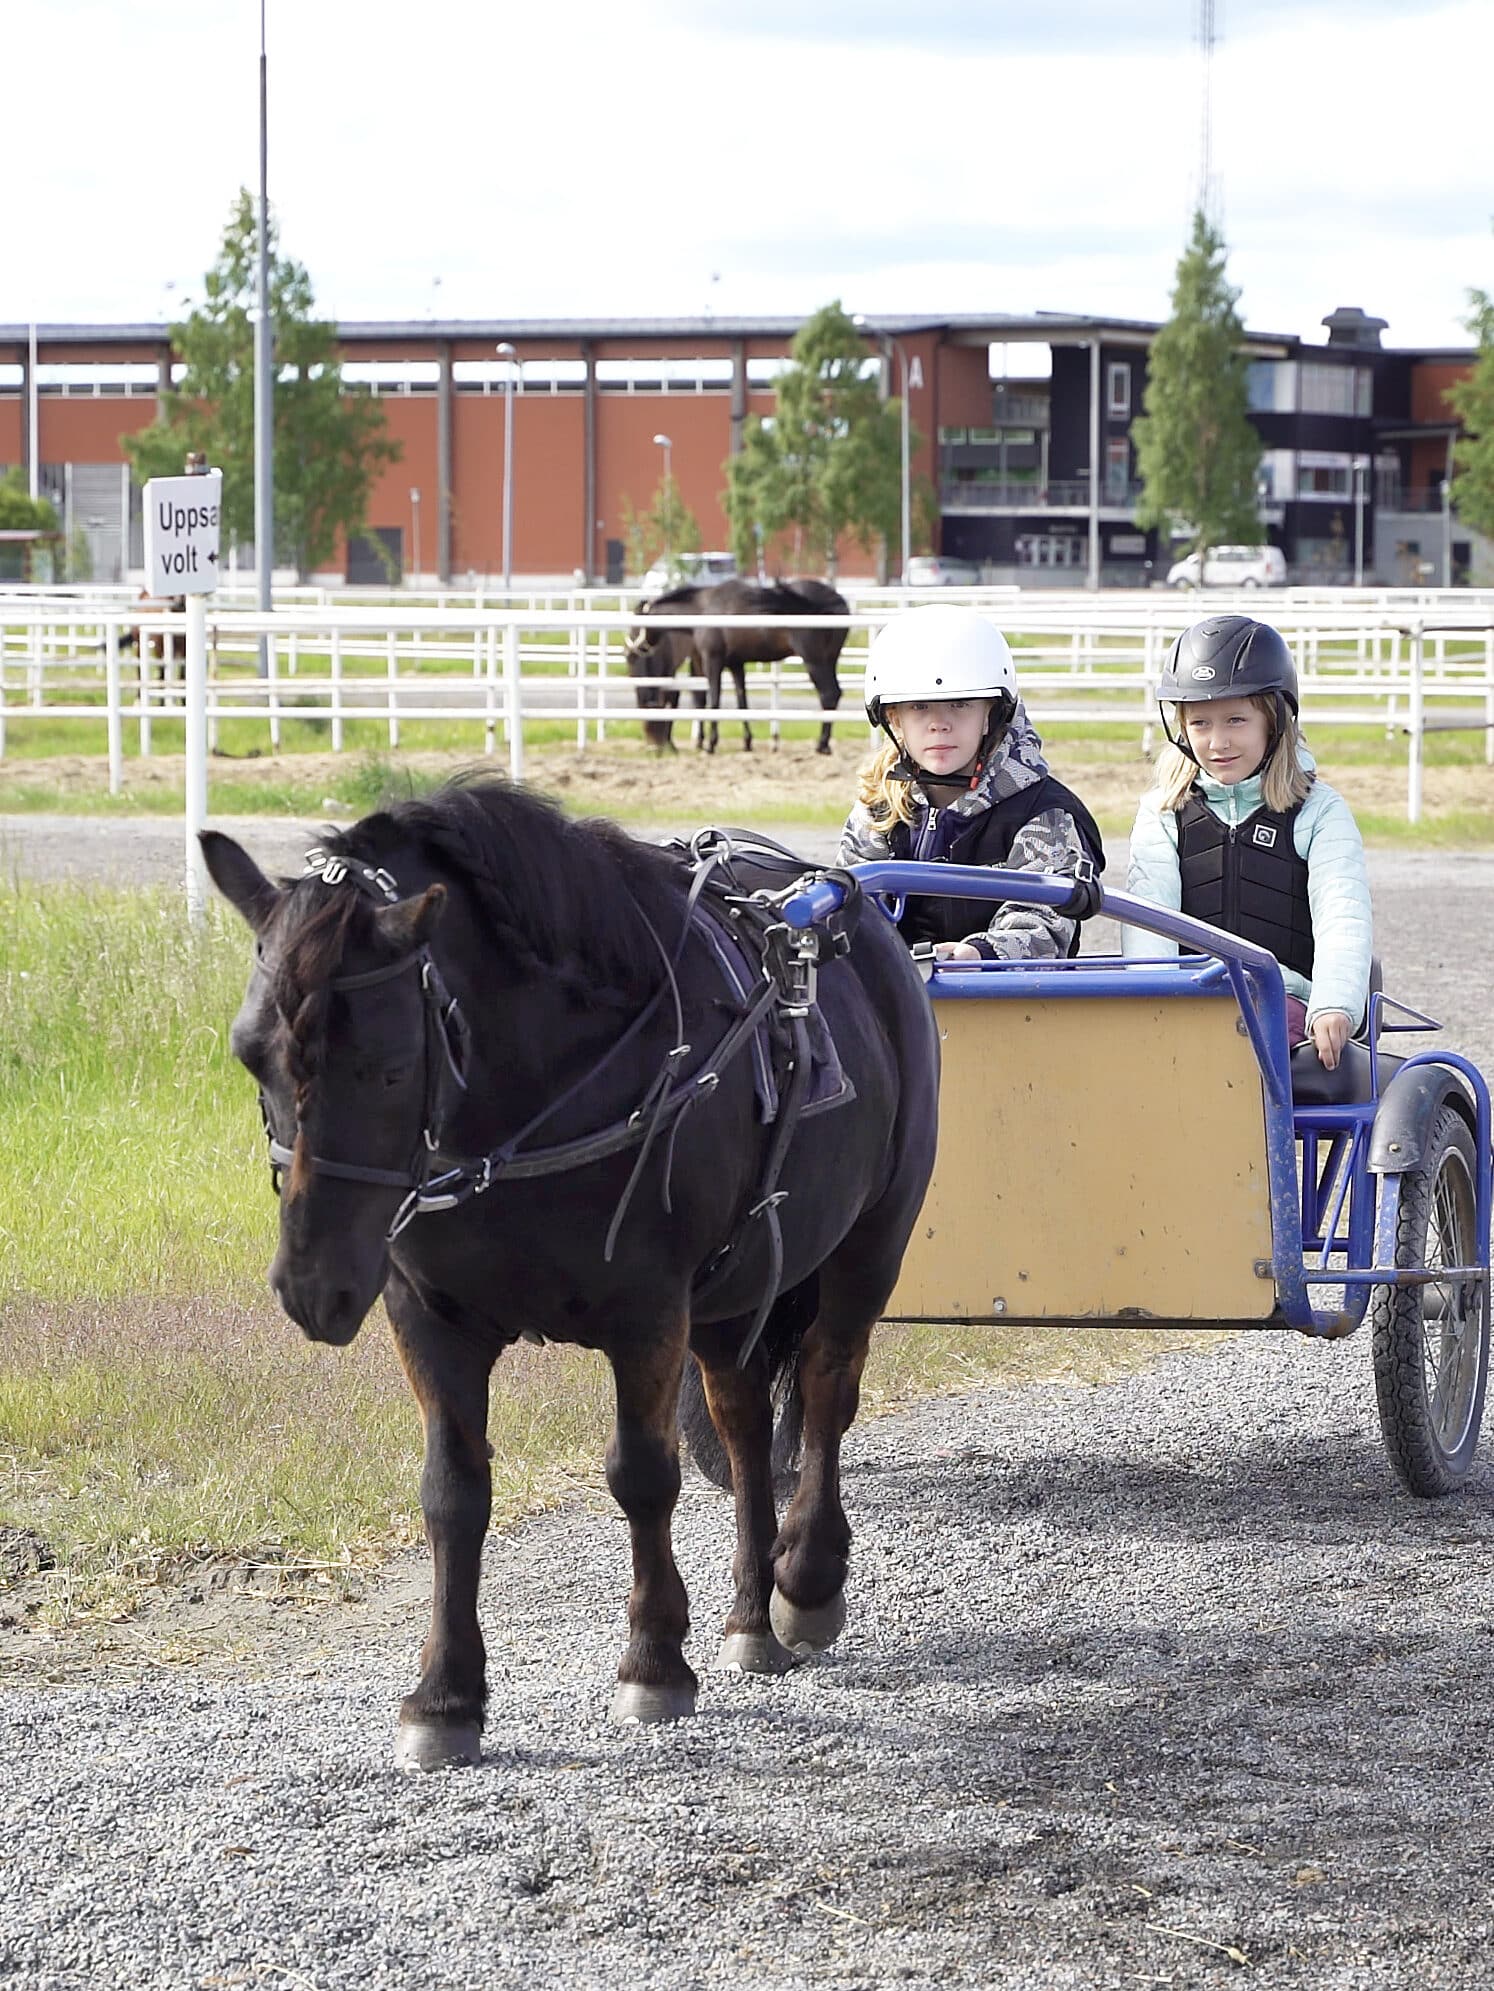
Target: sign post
[182,530]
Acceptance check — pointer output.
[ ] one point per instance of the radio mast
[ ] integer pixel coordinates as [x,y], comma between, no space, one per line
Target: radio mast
[1206,34]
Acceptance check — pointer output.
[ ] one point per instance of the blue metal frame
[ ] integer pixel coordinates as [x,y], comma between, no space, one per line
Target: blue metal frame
[1336,1206]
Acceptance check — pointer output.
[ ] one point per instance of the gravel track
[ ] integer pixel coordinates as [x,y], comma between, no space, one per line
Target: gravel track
[1162,1683]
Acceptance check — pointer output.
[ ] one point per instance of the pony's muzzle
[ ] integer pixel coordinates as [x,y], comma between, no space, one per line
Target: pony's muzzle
[330,1313]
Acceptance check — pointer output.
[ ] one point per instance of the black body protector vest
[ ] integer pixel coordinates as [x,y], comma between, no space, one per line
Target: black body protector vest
[1247,878]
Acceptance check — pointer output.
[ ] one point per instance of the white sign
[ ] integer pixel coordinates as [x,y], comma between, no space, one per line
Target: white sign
[182,516]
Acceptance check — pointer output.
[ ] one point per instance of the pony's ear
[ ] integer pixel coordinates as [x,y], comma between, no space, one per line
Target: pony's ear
[411,923]
[239,878]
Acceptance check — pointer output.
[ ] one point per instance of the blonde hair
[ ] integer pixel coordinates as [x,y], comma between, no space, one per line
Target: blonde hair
[1284,780]
[889,799]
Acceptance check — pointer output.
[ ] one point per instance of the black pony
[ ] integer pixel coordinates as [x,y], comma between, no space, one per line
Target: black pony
[515,1073]
[661,652]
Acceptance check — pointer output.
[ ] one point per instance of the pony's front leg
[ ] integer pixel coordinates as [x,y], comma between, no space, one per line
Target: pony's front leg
[741,1408]
[654,1683]
[440,1723]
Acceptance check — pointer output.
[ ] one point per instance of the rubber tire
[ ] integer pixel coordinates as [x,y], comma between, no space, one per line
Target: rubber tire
[1424,1462]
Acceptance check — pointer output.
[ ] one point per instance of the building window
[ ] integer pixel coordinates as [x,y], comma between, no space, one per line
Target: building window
[1321,474]
[1050,549]
[951,435]
[1118,389]
[1117,470]
[1336,390]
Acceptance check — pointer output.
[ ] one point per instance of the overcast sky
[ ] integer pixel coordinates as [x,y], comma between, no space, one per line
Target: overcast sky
[601,157]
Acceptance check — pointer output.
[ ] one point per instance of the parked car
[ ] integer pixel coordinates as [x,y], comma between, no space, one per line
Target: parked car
[929,570]
[689,570]
[1232,567]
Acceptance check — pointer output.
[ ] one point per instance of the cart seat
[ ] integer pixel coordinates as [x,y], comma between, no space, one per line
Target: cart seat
[1348,1084]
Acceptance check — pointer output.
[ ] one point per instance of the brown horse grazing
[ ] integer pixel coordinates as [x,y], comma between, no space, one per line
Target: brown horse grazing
[714,652]
[528,1077]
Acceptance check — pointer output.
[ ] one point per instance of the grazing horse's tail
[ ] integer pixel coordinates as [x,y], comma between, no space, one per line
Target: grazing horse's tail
[782,1337]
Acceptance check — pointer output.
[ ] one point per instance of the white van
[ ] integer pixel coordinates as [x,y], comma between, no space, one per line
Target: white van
[1232,567]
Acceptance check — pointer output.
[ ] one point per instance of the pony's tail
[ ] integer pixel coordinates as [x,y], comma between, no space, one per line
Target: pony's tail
[782,1338]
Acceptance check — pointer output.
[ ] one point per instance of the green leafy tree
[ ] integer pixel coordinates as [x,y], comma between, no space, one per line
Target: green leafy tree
[1196,448]
[20,512]
[330,442]
[667,527]
[1472,401]
[828,463]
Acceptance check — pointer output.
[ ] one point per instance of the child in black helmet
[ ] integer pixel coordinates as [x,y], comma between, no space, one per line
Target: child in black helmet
[1239,830]
[962,780]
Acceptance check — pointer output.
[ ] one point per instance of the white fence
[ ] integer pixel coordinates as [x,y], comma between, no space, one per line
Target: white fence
[1413,662]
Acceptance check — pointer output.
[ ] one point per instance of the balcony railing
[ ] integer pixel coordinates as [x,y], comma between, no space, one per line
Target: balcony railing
[1070,494]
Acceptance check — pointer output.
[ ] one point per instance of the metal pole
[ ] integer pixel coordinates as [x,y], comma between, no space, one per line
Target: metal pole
[1358,523]
[196,717]
[34,417]
[415,514]
[264,379]
[907,492]
[506,352]
[1093,577]
[666,444]
[1447,476]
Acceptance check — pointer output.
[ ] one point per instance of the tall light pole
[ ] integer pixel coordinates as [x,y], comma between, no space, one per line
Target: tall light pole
[506,352]
[1361,470]
[264,376]
[666,445]
[415,520]
[1447,477]
[890,347]
[34,422]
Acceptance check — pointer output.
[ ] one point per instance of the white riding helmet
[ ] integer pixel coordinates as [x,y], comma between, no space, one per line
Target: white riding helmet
[937,653]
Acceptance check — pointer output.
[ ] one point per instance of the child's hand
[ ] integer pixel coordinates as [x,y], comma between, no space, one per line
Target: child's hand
[1330,1032]
[956,950]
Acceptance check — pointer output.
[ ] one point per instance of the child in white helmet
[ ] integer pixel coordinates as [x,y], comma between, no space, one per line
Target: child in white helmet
[961,779]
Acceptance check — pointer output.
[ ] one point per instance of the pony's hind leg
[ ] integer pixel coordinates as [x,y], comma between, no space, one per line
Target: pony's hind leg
[440,1723]
[812,1552]
[741,1409]
[654,1683]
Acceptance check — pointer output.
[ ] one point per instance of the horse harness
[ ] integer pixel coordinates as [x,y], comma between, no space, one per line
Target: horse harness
[790,959]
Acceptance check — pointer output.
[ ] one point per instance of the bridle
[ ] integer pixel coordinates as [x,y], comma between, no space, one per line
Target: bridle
[445,1050]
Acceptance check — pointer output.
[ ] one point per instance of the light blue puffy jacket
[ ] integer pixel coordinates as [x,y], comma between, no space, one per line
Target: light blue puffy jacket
[1338,895]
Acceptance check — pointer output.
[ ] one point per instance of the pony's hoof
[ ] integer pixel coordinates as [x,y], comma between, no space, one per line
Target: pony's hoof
[754,1652]
[437,1745]
[804,1631]
[634,1703]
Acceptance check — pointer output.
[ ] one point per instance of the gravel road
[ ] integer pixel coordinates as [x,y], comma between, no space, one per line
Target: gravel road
[1161,1683]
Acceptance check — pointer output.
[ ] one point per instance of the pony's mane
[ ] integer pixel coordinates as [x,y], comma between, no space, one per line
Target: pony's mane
[561,898]
[680,597]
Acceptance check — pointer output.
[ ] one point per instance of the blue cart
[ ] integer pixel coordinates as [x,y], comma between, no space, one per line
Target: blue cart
[1136,1093]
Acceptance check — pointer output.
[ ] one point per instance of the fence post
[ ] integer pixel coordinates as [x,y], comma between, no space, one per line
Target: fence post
[392,696]
[272,680]
[490,694]
[337,691]
[1415,719]
[579,653]
[115,720]
[1489,697]
[512,706]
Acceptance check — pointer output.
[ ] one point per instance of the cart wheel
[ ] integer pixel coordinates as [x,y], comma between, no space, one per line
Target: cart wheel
[1431,1343]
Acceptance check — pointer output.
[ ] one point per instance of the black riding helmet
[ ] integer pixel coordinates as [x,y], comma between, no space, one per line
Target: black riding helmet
[1228,656]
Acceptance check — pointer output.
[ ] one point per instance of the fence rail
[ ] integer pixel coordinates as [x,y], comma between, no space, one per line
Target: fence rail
[1408,661]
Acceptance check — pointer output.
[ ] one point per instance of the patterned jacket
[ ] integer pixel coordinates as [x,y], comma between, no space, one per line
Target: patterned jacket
[1050,840]
[1327,840]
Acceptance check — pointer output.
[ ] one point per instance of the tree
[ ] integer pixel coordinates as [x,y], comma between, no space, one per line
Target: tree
[1196,447]
[330,441]
[668,525]
[828,462]
[20,512]
[1472,401]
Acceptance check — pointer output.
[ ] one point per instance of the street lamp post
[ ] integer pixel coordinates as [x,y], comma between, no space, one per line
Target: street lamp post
[415,523]
[890,347]
[1447,477]
[666,445]
[1361,471]
[506,351]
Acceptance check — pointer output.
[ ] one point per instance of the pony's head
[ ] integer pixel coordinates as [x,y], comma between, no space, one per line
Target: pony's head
[336,1030]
